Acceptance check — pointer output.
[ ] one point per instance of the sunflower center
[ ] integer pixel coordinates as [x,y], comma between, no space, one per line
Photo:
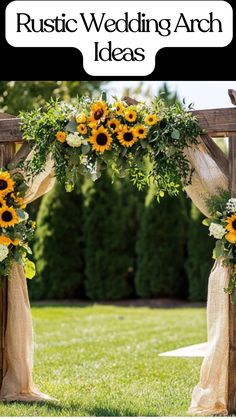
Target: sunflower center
[98,114]
[113,125]
[131,116]
[7,216]
[3,185]
[234,224]
[150,119]
[128,136]
[141,131]
[102,139]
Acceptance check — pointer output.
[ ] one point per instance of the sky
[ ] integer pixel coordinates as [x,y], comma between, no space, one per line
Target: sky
[203,94]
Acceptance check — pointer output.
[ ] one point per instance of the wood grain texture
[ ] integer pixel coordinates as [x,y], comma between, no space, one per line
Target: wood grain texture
[9,130]
[231,405]
[217,122]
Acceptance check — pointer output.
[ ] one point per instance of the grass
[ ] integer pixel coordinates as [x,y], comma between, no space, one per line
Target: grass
[103,361]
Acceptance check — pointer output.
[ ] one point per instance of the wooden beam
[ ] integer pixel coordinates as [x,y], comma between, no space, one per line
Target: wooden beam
[232,95]
[10,131]
[218,122]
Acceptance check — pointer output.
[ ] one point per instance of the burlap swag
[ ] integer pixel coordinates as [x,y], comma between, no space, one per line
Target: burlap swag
[209,396]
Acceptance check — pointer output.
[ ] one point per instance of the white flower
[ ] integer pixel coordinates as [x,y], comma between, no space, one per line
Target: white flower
[231,205]
[74,140]
[217,230]
[3,252]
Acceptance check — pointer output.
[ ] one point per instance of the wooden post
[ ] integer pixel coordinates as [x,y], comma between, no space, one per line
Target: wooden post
[231,405]
[7,150]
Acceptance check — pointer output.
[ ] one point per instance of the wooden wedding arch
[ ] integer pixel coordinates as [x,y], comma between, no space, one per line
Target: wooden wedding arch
[216,123]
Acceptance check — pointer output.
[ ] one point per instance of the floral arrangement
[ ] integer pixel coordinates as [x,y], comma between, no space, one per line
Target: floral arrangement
[85,137]
[16,229]
[222,226]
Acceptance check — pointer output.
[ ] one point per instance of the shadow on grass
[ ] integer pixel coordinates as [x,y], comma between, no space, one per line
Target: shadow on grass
[164,303]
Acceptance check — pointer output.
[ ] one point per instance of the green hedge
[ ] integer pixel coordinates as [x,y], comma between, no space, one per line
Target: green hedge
[59,246]
[199,261]
[161,249]
[110,228]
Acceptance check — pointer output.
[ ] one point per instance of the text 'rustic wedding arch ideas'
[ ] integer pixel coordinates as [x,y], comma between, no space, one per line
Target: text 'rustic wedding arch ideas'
[170,147]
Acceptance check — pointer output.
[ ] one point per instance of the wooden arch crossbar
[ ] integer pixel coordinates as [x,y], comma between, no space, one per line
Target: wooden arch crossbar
[219,122]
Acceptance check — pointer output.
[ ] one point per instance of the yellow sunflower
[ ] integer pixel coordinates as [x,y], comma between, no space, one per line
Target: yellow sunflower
[61,136]
[15,242]
[82,129]
[127,137]
[8,217]
[100,140]
[231,223]
[130,115]
[19,201]
[6,184]
[151,119]
[119,108]
[2,202]
[113,124]
[6,241]
[81,119]
[99,110]
[140,131]
[231,237]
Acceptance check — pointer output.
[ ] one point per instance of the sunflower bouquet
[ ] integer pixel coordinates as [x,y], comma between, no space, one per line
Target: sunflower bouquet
[15,227]
[137,140]
[222,226]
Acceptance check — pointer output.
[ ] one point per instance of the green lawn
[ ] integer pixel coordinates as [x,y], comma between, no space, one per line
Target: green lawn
[103,361]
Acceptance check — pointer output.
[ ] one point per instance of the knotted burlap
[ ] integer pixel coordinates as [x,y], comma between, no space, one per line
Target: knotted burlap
[210,395]
[18,353]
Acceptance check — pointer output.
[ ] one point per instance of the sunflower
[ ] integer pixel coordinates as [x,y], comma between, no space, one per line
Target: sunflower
[2,202]
[82,129]
[119,108]
[130,115]
[6,241]
[231,224]
[8,217]
[113,124]
[98,111]
[100,140]
[151,119]
[81,119]
[140,131]
[61,136]
[231,237]
[15,242]
[19,201]
[127,137]
[6,184]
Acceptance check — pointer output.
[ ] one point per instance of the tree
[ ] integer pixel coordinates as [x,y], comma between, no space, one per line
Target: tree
[17,96]
[199,261]
[59,246]
[161,249]
[110,228]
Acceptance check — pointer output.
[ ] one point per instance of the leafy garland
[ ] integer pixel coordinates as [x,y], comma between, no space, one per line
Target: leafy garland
[222,226]
[16,229]
[85,137]
[145,142]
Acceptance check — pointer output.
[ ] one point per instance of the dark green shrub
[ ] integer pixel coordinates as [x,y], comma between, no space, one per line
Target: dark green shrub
[58,248]
[161,249]
[199,261]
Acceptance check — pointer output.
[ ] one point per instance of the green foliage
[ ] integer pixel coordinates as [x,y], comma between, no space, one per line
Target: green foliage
[199,261]
[58,247]
[161,249]
[110,227]
[217,203]
[16,96]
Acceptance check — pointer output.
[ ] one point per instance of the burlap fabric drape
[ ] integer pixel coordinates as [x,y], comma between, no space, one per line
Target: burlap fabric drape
[210,395]
[17,382]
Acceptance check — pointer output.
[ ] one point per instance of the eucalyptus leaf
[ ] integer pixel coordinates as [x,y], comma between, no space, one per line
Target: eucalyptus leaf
[175,134]
[29,268]
[71,126]
[85,148]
